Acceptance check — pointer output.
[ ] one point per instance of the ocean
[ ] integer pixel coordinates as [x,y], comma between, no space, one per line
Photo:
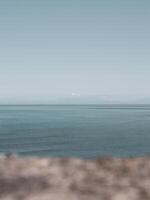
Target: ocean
[85,131]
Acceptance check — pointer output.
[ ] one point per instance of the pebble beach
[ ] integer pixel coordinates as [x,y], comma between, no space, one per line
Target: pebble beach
[34,178]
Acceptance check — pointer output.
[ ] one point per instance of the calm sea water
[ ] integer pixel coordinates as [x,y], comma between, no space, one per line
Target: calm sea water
[87,131]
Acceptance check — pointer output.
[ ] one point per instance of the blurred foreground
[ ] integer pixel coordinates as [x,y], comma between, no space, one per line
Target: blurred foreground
[74,179]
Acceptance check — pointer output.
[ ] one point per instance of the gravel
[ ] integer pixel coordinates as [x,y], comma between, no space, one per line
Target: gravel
[33,178]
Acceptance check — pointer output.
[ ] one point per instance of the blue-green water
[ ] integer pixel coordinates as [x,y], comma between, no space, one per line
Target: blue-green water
[87,131]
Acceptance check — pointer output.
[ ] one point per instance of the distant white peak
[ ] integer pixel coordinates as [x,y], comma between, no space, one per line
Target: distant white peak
[75,94]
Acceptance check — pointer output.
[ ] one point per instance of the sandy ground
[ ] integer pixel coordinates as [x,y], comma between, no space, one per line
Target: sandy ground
[34,178]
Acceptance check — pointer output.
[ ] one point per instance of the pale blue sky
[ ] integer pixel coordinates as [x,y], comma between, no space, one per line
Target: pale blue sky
[51,49]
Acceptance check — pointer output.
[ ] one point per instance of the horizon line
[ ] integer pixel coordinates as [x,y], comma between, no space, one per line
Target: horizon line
[56,104]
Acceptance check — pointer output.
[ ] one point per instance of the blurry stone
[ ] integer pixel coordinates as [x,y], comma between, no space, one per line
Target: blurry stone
[32,178]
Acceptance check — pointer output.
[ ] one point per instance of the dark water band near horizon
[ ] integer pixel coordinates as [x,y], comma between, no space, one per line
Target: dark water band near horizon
[86,131]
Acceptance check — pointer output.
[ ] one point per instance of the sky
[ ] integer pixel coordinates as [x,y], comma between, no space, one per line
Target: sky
[54,50]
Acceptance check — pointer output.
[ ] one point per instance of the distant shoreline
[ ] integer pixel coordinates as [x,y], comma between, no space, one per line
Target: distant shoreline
[75,104]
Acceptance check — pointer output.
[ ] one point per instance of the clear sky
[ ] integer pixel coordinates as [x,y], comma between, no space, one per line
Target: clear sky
[52,49]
